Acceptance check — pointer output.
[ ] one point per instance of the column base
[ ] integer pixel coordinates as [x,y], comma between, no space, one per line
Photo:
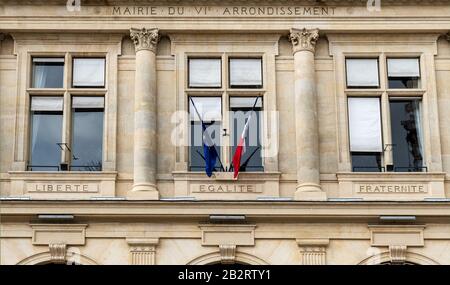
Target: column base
[310,192]
[143,191]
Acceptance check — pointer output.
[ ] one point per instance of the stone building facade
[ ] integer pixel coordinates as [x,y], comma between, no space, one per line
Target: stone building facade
[353,162]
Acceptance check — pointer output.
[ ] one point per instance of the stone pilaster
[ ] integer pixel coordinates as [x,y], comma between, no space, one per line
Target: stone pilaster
[143,250]
[313,252]
[144,184]
[306,121]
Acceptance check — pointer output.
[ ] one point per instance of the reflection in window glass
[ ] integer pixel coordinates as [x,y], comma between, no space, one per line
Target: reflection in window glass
[46,132]
[241,109]
[407,135]
[48,72]
[210,110]
[87,133]
[366,161]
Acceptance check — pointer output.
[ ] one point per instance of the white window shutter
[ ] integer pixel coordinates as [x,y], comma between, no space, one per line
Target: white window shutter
[39,103]
[362,72]
[88,102]
[89,72]
[365,124]
[403,67]
[209,109]
[245,72]
[205,72]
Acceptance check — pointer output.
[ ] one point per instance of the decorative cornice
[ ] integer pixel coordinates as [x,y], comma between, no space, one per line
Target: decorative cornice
[227,253]
[145,39]
[304,39]
[57,252]
[397,254]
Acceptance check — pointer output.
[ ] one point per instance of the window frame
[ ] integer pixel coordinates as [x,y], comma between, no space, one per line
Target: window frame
[225,92]
[385,94]
[67,92]
[88,57]
[362,86]
[419,81]
[244,86]
[188,73]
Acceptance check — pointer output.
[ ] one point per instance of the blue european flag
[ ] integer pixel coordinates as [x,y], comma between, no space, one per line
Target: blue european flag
[209,151]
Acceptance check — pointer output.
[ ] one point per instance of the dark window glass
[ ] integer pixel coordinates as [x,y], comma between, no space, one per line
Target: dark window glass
[46,130]
[48,73]
[366,162]
[241,110]
[196,154]
[403,82]
[87,139]
[406,135]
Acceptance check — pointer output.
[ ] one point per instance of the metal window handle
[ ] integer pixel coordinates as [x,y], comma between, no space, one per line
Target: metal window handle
[225,133]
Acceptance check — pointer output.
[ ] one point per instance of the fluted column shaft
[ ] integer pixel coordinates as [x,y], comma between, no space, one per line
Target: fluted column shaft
[145,144]
[306,121]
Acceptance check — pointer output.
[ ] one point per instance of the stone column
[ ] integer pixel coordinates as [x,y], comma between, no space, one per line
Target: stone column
[144,186]
[306,122]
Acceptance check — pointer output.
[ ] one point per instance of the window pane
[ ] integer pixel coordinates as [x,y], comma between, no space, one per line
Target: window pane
[366,162]
[210,110]
[407,137]
[89,72]
[205,108]
[365,124]
[87,138]
[196,153]
[205,72]
[403,72]
[46,131]
[362,72]
[48,72]
[242,109]
[245,72]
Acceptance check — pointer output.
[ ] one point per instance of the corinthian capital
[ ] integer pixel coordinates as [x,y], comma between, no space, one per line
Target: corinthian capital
[304,39]
[145,39]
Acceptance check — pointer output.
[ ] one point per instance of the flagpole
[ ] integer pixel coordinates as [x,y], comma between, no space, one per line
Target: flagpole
[200,117]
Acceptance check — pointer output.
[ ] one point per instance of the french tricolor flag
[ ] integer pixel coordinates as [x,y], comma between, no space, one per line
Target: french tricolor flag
[240,149]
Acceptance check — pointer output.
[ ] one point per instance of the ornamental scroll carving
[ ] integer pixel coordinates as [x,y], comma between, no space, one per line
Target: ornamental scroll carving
[145,39]
[304,40]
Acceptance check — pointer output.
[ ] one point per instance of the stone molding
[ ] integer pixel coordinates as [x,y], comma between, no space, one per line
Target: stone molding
[46,234]
[227,253]
[304,40]
[145,39]
[397,235]
[313,251]
[143,250]
[228,234]
[57,252]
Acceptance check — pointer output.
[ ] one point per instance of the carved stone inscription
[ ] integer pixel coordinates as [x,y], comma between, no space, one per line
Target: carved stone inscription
[226,188]
[385,188]
[62,187]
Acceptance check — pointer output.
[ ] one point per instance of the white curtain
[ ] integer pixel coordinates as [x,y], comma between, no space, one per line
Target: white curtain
[362,72]
[245,102]
[87,102]
[40,71]
[205,72]
[365,124]
[89,72]
[418,117]
[245,72]
[209,108]
[403,67]
[39,103]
